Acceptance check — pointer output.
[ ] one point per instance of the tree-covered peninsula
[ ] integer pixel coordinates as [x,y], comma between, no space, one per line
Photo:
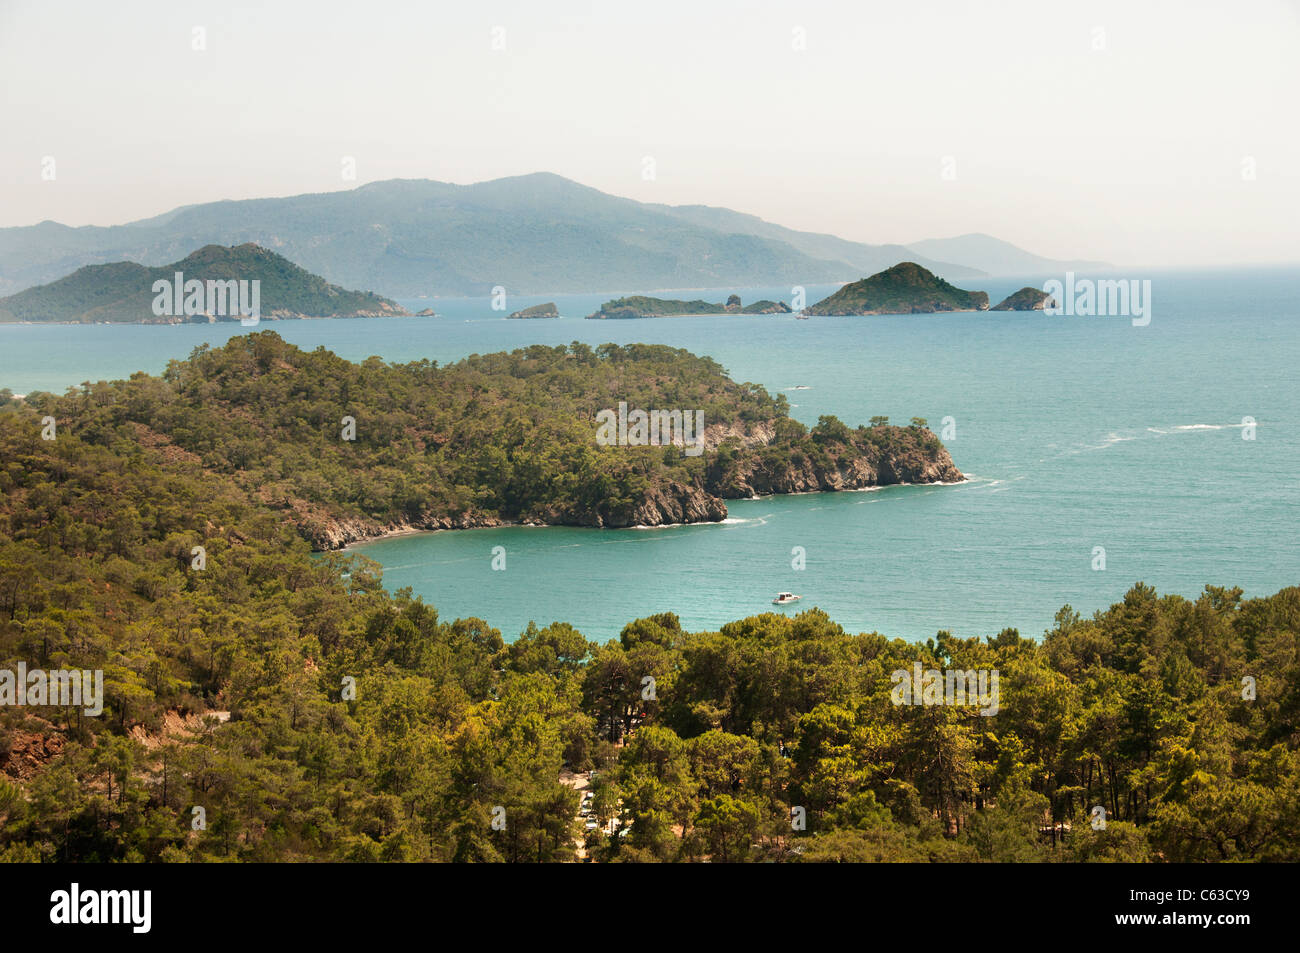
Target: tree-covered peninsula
[348,451]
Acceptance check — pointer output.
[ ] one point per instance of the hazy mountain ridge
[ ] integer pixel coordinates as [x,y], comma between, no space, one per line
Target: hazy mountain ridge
[861,257]
[995,257]
[530,234]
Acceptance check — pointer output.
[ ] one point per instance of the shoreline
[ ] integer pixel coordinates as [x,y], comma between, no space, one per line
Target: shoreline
[511,524]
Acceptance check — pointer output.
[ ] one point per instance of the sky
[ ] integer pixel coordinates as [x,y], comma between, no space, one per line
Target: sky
[1143,133]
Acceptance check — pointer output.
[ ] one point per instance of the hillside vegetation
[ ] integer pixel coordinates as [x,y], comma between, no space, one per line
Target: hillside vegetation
[225,691]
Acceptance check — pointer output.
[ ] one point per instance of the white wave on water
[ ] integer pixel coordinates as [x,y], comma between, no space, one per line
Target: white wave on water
[992,484]
[1192,428]
[1114,437]
[740,520]
[1111,439]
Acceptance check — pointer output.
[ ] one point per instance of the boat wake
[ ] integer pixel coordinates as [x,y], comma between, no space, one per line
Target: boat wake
[1110,440]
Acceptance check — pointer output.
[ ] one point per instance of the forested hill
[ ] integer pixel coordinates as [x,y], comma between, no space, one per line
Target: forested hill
[124,292]
[906,288]
[507,437]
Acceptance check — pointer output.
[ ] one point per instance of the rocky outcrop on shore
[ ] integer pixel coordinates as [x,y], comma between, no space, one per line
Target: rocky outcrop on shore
[757,477]
[328,533]
[662,504]
[914,459]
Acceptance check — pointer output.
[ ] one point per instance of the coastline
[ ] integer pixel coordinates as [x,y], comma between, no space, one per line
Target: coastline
[407,530]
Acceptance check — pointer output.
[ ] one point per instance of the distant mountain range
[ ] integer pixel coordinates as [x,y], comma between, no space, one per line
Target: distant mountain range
[530,234]
[212,284]
[996,257]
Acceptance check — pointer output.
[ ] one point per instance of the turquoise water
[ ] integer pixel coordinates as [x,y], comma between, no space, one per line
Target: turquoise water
[1075,433]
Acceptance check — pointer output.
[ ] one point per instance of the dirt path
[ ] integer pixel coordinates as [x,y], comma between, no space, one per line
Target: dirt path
[580,783]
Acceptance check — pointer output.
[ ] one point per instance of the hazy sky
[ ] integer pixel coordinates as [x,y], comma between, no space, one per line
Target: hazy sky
[1123,131]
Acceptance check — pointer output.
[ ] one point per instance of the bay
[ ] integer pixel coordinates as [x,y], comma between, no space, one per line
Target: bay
[1075,433]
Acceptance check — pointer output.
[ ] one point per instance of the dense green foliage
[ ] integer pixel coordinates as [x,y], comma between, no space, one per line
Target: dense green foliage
[123,291]
[490,438]
[1139,710]
[906,288]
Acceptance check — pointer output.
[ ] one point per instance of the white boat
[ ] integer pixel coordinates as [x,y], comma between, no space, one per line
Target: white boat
[785,598]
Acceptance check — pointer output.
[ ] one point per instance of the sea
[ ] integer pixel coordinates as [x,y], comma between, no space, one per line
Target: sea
[1099,454]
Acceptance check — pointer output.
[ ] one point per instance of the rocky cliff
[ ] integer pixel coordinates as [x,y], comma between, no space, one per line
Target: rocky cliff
[759,477]
[739,468]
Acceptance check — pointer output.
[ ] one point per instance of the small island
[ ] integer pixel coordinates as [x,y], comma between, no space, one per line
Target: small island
[640,306]
[906,288]
[1026,299]
[547,310]
[215,283]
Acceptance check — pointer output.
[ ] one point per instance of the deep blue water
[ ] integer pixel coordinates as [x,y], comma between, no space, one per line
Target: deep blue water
[1075,432]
